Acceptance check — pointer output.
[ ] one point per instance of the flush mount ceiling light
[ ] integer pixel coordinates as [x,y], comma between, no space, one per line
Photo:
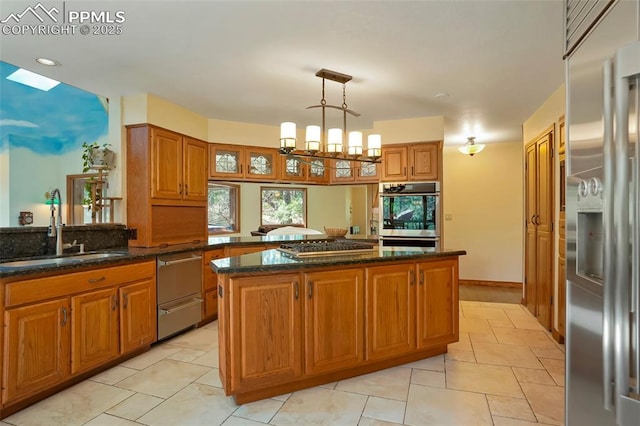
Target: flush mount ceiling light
[471,147]
[32,79]
[48,62]
[328,144]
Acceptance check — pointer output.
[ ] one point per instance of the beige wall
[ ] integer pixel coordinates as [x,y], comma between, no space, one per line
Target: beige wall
[547,114]
[545,117]
[422,129]
[221,131]
[484,196]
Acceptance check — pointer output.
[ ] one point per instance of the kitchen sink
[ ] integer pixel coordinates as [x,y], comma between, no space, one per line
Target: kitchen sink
[59,260]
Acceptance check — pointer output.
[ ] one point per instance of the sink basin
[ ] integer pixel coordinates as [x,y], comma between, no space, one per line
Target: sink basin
[58,260]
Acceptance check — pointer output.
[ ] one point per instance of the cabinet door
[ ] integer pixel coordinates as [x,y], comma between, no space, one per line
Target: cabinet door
[423,161]
[318,170]
[265,321]
[36,348]
[94,329]
[292,169]
[166,164]
[343,171]
[437,303]
[394,164]
[261,163]
[138,315]
[334,320]
[225,161]
[368,172]
[210,283]
[391,328]
[195,170]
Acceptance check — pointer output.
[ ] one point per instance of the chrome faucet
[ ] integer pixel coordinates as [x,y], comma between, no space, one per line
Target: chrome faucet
[55,224]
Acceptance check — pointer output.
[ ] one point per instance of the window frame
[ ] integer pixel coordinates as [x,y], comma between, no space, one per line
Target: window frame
[235,206]
[285,188]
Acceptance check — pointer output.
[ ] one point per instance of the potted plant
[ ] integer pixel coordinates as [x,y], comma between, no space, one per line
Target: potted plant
[94,154]
[95,157]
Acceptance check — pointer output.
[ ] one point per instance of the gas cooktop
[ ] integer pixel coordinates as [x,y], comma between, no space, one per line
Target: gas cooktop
[325,248]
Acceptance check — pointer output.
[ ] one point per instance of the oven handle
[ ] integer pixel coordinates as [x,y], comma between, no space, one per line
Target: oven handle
[396,194]
[179,307]
[162,263]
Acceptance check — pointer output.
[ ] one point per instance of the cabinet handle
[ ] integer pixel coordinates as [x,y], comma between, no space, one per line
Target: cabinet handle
[96,280]
[404,170]
[180,188]
[125,301]
[114,302]
[240,168]
[296,289]
[310,289]
[421,277]
[64,316]
[411,170]
[412,278]
[186,189]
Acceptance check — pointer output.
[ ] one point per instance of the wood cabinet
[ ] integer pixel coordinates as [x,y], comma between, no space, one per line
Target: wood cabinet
[36,348]
[334,320]
[368,172]
[343,171]
[437,295]
[167,180]
[313,170]
[94,329]
[539,228]
[266,324]
[138,315]
[243,162]
[391,310]
[210,284]
[59,327]
[412,162]
[280,332]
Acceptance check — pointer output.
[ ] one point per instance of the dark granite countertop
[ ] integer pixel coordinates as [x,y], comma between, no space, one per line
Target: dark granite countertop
[274,260]
[134,254]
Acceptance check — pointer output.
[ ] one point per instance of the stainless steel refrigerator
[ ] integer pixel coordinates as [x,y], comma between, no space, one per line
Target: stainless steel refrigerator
[602,52]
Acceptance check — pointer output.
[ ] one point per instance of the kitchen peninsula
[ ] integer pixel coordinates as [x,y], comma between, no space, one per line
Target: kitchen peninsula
[288,322]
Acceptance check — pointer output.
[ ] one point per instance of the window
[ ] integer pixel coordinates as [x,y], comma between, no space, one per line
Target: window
[223,208]
[281,206]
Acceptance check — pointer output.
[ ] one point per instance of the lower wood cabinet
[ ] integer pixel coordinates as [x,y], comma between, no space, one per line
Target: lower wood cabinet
[36,348]
[61,326]
[210,284]
[286,331]
[437,297]
[391,307]
[266,324]
[334,320]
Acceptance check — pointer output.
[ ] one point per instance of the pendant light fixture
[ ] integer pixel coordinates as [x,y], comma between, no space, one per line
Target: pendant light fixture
[323,143]
[471,147]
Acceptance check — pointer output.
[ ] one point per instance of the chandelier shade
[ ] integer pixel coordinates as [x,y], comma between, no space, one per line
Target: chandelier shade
[334,142]
[471,147]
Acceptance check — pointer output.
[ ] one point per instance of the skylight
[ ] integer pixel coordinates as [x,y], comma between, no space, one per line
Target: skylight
[32,79]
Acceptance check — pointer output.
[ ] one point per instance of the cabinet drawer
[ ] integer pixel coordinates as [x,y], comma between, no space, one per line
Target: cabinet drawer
[33,290]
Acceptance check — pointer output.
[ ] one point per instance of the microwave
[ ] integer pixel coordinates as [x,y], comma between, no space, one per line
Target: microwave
[409,209]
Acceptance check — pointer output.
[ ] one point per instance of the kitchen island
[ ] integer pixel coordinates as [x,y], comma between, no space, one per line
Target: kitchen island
[288,322]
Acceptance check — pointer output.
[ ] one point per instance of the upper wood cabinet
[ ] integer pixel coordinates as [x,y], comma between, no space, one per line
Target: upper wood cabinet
[414,162]
[178,166]
[343,171]
[314,170]
[167,186]
[368,172]
[243,162]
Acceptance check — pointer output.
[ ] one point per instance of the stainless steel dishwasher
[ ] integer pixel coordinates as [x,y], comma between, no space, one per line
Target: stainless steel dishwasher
[179,292]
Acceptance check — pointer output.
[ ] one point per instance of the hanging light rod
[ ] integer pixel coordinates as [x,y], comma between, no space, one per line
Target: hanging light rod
[328,144]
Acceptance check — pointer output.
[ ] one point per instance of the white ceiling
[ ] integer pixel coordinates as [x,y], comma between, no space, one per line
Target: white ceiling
[255,61]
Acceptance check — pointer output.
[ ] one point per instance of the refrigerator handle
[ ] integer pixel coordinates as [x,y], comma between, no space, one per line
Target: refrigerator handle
[608,286]
[627,65]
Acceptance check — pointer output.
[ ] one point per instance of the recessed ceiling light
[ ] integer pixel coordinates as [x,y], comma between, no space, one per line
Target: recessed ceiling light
[441,95]
[48,62]
[32,79]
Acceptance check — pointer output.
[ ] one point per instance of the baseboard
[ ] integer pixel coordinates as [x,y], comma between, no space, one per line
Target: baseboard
[557,336]
[508,284]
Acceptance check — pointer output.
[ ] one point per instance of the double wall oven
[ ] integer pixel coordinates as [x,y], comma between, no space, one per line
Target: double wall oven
[409,214]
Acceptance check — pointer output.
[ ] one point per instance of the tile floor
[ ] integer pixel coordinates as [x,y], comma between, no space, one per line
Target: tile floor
[505,371]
